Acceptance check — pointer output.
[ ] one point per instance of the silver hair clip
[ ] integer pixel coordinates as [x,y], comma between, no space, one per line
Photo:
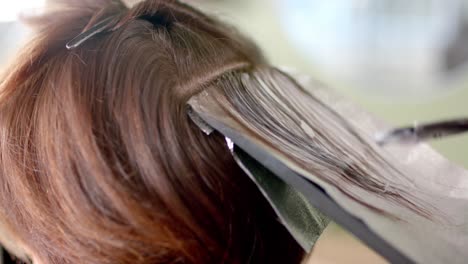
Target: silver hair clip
[418,133]
[93,31]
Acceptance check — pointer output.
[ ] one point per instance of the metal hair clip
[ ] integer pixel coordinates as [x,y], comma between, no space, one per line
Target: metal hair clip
[418,133]
[93,31]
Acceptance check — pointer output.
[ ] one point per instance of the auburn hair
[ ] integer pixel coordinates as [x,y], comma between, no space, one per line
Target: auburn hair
[99,161]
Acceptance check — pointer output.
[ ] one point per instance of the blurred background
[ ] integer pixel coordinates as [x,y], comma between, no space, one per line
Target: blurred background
[404,61]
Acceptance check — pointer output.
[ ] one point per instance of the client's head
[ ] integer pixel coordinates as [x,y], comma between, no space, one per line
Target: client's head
[99,162]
